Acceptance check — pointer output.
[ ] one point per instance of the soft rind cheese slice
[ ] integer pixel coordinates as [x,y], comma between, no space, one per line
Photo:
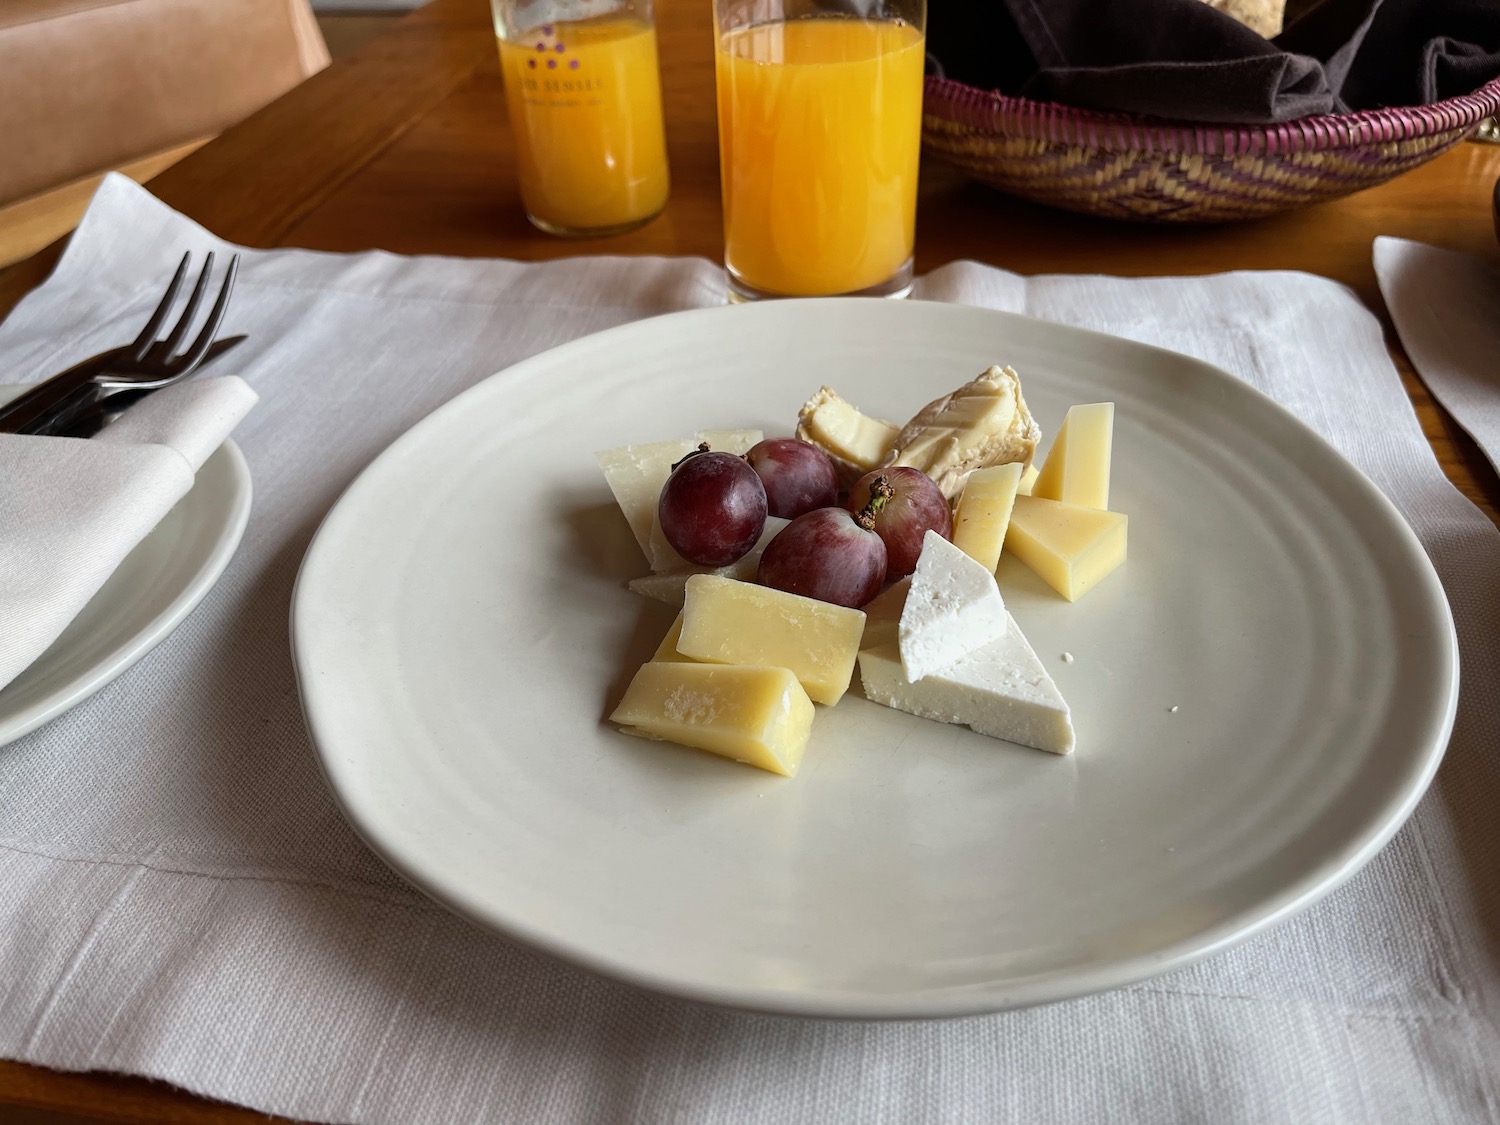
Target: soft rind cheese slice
[952,609]
[984,422]
[984,513]
[636,473]
[1077,466]
[759,716]
[883,616]
[729,622]
[1070,547]
[1001,690]
[856,442]
[672,587]
[1028,480]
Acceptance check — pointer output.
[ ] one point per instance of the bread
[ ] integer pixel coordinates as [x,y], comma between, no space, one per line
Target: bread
[1262,16]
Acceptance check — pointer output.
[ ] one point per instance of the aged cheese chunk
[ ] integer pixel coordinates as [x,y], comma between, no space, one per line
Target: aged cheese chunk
[952,609]
[984,422]
[1077,466]
[635,473]
[737,442]
[984,512]
[856,442]
[883,616]
[672,586]
[729,622]
[1000,690]
[1028,480]
[1069,546]
[666,652]
[760,716]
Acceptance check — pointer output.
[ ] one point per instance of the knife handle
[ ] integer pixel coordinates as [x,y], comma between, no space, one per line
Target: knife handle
[33,406]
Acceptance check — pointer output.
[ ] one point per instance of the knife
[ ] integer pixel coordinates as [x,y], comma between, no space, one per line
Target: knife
[53,407]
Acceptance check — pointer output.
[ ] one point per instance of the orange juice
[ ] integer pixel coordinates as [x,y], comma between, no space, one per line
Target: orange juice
[585,107]
[820,125]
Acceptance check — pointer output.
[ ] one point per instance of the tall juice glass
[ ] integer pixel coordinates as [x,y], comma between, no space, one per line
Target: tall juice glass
[584,96]
[820,123]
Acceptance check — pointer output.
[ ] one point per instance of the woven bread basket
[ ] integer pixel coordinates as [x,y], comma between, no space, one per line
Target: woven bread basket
[1126,167]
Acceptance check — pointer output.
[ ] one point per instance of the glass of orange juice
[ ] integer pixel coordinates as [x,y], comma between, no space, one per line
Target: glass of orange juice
[820,123]
[584,96]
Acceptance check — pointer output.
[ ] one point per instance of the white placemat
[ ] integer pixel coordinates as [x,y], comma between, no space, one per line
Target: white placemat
[179,897]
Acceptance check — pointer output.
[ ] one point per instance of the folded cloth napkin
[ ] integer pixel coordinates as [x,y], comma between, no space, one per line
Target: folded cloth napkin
[1185,60]
[1446,308]
[72,509]
[180,897]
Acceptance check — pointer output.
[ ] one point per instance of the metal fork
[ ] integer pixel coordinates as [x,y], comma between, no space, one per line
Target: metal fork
[146,364]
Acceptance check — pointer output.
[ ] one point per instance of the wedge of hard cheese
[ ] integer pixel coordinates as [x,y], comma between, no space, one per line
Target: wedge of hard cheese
[1000,690]
[1077,466]
[759,716]
[730,622]
[1069,546]
[983,513]
[636,473]
[883,616]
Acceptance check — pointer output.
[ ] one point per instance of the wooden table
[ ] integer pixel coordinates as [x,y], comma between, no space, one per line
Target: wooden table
[404,146]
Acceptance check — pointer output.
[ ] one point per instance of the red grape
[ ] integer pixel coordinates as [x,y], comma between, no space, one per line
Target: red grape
[915,507]
[825,554]
[799,477]
[712,508]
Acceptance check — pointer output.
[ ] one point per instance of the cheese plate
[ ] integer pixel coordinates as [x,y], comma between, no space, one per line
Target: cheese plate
[1260,694]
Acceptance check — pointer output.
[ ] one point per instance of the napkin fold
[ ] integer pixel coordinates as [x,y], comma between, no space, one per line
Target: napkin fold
[72,509]
[1446,308]
[1183,60]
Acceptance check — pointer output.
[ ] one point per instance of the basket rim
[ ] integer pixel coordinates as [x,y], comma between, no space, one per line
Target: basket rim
[990,111]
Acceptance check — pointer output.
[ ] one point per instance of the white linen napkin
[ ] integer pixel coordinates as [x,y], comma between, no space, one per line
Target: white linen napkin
[71,510]
[179,896]
[1446,307]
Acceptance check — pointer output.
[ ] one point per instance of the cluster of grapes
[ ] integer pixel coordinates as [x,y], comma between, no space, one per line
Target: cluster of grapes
[713,510]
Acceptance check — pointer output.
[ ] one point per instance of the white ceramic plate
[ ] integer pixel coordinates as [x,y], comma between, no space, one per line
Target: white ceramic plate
[1261,693]
[155,587]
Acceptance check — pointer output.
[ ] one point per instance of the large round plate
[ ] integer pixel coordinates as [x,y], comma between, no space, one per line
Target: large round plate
[158,584]
[1261,693]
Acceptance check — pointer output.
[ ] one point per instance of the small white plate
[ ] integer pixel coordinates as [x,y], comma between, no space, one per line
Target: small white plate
[1261,693]
[155,587]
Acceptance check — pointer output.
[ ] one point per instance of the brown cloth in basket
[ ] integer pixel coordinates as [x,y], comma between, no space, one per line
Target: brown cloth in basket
[1184,60]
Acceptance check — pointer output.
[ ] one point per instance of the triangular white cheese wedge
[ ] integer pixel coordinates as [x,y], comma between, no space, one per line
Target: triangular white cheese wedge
[953,608]
[1001,690]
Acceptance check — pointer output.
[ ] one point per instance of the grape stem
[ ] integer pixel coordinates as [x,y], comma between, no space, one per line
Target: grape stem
[880,492]
[702,448]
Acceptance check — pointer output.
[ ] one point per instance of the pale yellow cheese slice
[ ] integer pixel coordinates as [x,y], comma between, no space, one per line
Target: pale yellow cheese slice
[984,513]
[666,652]
[1028,480]
[1069,546]
[636,473]
[759,716]
[729,622]
[883,616]
[1077,468]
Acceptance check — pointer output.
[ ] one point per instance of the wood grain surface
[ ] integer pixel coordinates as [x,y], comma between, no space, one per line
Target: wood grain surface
[403,146]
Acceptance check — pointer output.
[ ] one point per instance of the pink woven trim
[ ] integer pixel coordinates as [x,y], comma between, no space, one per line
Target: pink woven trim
[995,113]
